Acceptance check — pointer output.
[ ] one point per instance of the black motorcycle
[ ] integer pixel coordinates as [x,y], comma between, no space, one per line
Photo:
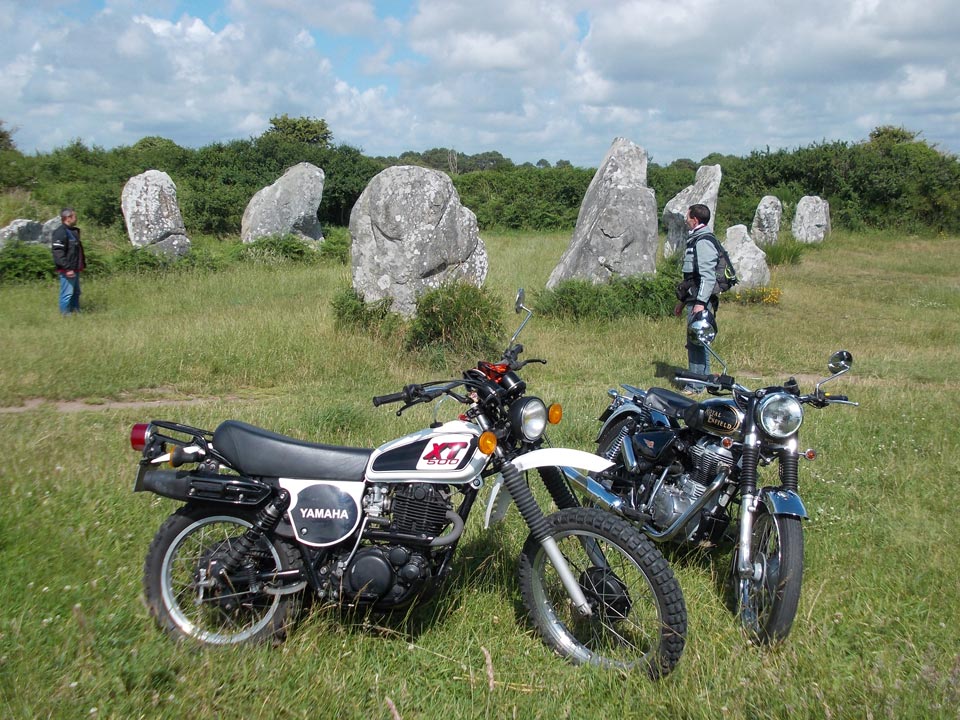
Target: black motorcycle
[269,519]
[686,472]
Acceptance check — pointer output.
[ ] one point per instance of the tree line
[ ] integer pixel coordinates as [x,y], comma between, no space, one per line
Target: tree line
[893,179]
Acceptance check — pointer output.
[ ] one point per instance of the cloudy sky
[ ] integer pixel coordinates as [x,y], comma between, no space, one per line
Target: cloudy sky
[551,79]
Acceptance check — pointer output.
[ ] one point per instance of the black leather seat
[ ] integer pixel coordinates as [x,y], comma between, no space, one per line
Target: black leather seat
[255,451]
[668,402]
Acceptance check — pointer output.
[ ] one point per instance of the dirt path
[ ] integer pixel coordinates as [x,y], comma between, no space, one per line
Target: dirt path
[72,406]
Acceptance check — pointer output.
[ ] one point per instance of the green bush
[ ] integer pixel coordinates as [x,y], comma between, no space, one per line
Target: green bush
[336,245]
[22,262]
[276,249]
[785,252]
[137,261]
[458,319]
[351,312]
[639,295]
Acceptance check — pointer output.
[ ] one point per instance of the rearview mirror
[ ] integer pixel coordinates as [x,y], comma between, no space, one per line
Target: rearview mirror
[840,361]
[518,305]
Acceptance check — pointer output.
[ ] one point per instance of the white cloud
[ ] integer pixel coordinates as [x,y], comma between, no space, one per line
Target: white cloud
[683,78]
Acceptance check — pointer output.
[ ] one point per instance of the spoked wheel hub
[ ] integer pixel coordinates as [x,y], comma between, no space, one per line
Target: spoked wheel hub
[606,593]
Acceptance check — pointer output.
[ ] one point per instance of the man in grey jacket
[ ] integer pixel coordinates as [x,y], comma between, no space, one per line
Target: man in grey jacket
[69,260]
[700,259]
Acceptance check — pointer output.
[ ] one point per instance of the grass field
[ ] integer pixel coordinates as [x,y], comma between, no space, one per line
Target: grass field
[878,630]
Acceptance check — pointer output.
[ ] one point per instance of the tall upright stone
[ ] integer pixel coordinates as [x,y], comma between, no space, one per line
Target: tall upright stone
[287,207]
[748,259]
[616,231]
[705,189]
[152,215]
[766,221]
[811,223]
[410,234]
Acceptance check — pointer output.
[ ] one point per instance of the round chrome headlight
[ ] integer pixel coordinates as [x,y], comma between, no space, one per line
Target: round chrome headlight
[779,415]
[529,418]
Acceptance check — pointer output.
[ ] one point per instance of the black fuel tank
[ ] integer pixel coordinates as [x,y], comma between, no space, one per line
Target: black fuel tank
[717,416]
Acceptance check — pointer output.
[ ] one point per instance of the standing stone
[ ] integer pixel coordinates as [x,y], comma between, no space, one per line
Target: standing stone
[616,231]
[748,259]
[704,190]
[766,221]
[26,231]
[410,234]
[152,215]
[289,206]
[811,223]
[46,235]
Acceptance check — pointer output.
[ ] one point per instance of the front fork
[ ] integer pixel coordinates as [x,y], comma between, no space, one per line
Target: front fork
[533,516]
[779,501]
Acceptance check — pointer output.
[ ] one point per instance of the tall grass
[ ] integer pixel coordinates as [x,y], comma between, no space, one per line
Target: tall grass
[877,632]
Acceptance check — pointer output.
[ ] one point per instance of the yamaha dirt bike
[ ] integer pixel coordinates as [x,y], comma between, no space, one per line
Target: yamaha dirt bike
[686,472]
[270,520]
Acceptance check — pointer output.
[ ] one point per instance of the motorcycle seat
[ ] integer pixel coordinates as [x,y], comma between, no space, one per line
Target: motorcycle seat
[255,451]
[668,402]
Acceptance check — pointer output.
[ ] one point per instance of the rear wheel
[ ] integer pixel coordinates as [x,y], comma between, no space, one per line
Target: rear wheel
[638,620]
[190,599]
[767,601]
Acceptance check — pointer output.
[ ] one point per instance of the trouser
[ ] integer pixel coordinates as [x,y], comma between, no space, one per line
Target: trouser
[69,294]
[698,359]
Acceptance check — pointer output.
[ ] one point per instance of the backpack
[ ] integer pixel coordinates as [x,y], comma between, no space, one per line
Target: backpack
[726,273]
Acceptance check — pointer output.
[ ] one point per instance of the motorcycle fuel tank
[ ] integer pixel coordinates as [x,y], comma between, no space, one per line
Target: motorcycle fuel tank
[717,416]
[445,454]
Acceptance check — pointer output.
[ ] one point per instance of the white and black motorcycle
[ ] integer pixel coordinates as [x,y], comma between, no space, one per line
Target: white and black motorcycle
[686,472]
[270,520]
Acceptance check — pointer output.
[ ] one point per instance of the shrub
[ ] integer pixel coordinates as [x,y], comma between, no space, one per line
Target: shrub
[22,262]
[459,319]
[336,245]
[646,295]
[785,252]
[137,261]
[350,311]
[757,296]
[276,249]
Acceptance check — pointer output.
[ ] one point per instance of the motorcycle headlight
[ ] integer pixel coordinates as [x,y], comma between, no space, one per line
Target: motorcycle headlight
[529,418]
[779,415]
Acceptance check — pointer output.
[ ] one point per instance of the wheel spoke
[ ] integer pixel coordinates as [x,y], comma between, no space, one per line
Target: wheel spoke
[222,612]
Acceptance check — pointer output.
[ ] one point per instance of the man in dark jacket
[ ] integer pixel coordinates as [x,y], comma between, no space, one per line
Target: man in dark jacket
[69,260]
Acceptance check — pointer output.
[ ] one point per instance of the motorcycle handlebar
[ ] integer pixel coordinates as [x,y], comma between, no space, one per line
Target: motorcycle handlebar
[387,399]
[724,382]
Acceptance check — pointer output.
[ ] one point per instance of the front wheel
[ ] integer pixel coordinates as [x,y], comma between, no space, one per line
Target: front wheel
[767,600]
[189,598]
[638,618]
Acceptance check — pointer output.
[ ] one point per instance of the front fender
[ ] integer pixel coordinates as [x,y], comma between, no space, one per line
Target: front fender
[559,457]
[499,503]
[783,502]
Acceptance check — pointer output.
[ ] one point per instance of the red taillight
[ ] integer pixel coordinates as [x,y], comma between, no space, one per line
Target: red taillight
[139,434]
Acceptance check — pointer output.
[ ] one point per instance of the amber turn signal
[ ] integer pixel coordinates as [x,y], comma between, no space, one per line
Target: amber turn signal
[555,413]
[487,442]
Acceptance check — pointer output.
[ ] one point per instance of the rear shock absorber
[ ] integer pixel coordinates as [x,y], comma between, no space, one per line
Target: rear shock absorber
[266,520]
[627,429]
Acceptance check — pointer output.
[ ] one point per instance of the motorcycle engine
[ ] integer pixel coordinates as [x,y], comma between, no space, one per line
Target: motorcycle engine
[388,575]
[679,492]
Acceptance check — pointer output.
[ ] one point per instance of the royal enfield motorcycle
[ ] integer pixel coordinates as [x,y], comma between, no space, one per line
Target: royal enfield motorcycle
[270,521]
[686,472]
